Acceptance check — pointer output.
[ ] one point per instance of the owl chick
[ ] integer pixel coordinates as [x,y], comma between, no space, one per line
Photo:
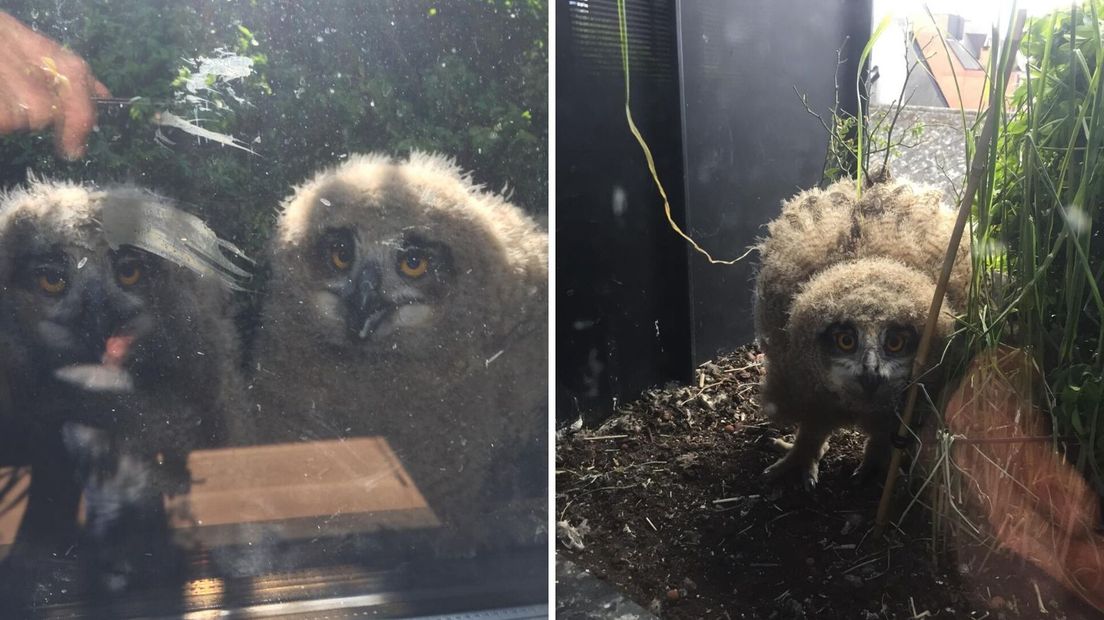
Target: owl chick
[406,302]
[118,363]
[842,296]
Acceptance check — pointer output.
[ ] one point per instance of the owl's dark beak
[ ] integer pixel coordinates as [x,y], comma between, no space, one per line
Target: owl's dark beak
[368,307]
[871,379]
[102,327]
[100,319]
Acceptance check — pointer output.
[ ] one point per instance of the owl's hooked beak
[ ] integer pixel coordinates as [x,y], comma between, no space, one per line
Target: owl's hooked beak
[871,378]
[103,327]
[367,306]
[102,321]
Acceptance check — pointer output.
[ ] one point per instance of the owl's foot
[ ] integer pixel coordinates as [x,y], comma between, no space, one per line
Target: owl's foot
[876,456]
[802,457]
[807,471]
[774,444]
[867,472]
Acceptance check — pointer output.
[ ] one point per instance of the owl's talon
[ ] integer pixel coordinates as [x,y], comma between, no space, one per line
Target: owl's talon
[808,473]
[774,444]
[809,479]
[876,456]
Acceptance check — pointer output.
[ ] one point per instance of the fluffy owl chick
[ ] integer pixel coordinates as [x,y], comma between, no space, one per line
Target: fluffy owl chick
[406,302]
[842,296]
[118,362]
[819,228]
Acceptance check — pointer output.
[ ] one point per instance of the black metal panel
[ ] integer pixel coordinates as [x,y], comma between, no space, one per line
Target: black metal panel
[622,311]
[748,142]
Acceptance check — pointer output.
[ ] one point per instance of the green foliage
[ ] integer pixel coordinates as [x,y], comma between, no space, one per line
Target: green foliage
[1038,220]
[883,139]
[860,147]
[331,77]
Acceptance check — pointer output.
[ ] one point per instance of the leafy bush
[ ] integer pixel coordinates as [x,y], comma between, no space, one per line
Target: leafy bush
[331,77]
[1039,238]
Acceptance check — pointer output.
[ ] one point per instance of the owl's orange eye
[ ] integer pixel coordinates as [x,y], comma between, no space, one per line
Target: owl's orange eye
[845,341]
[895,342]
[413,265]
[341,257]
[128,273]
[52,282]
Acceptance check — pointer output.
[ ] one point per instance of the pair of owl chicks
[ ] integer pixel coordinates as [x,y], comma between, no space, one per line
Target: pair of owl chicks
[841,299]
[404,301]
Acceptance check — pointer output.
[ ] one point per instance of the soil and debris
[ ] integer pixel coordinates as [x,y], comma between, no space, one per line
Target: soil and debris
[666,502]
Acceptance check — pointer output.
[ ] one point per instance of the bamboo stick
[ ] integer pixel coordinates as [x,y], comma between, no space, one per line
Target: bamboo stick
[977,168]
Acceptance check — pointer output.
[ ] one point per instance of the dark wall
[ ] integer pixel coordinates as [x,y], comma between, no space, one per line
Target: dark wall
[622,311]
[748,141]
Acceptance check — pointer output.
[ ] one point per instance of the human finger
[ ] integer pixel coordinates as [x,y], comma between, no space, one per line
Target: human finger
[15,86]
[77,113]
[7,117]
[38,103]
[98,89]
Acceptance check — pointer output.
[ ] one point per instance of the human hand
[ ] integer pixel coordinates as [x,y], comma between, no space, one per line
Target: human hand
[43,84]
[1037,504]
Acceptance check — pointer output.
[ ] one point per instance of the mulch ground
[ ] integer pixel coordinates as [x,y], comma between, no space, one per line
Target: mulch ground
[666,501]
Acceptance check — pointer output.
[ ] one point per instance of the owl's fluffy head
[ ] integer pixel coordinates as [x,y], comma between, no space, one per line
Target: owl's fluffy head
[69,298]
[400,258]
[822,227]
[854,329]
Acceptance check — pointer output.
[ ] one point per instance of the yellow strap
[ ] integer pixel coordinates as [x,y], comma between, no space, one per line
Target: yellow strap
[648,152]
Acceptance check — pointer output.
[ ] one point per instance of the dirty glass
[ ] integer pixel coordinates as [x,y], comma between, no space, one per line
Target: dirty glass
[822,347]
[273,326]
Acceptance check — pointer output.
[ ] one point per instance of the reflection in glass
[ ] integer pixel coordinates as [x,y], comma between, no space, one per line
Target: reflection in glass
[350,409]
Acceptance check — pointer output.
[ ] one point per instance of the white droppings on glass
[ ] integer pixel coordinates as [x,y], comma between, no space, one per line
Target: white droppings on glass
[325,202]
[492,358]
[168,119]
[1079,221]
[211,73]
[82,263]
[174,235]
[620,201]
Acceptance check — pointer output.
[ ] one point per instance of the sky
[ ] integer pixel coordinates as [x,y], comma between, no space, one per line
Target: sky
[983,11]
